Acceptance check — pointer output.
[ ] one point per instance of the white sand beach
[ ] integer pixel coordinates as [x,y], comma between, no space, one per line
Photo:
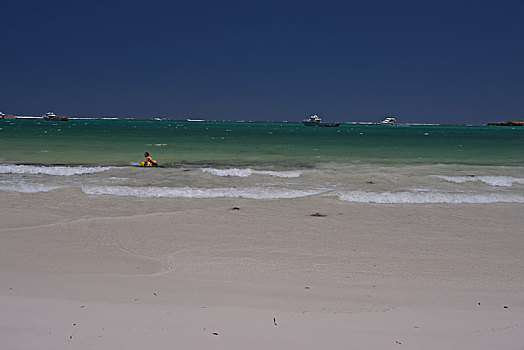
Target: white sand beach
[102,272]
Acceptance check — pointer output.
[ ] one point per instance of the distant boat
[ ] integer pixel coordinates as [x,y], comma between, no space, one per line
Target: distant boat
[52,116]
[3,116]
[315,120]
[389,121]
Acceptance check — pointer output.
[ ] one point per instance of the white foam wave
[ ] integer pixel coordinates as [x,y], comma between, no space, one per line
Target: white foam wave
[427,197]
[229,172]
[502,181]
[192,192]
[248,172]
[51,170]
[286,174]
[28,187]
[457,179]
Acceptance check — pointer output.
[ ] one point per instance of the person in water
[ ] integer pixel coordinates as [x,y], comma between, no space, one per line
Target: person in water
[149,161]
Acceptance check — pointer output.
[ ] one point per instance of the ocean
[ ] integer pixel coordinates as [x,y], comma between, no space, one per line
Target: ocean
[404,163]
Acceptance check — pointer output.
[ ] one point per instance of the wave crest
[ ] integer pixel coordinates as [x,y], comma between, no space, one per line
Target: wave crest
[427,197]
[248,172]
[192,192]
[51,170]
[501,181]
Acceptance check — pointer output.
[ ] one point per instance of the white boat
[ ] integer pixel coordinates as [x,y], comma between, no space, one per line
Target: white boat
[389,121]
[315,120]
[2,115]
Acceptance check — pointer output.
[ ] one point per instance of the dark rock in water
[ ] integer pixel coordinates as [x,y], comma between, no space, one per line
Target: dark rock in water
[508,123]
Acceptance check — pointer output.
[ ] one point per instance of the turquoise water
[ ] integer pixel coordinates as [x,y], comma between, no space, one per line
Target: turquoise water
[119,142]
[435,163]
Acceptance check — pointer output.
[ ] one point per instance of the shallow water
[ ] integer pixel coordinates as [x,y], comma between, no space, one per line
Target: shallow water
[261,160]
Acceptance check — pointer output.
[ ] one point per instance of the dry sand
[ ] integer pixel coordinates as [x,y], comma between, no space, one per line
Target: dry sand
[80,272]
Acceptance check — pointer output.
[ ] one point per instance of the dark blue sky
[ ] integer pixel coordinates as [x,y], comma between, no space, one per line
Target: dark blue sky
[421,61]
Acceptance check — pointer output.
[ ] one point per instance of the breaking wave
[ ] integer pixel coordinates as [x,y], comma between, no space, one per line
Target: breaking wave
[427,197]
[502,181]
[248,172]
[192,192]
[51,170]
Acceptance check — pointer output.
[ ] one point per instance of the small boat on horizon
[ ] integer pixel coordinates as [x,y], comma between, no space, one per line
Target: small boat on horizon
[315,120]
[389,121]
[4,116]
[52,116]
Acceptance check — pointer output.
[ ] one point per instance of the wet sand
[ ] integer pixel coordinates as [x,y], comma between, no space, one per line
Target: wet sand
[102,272]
